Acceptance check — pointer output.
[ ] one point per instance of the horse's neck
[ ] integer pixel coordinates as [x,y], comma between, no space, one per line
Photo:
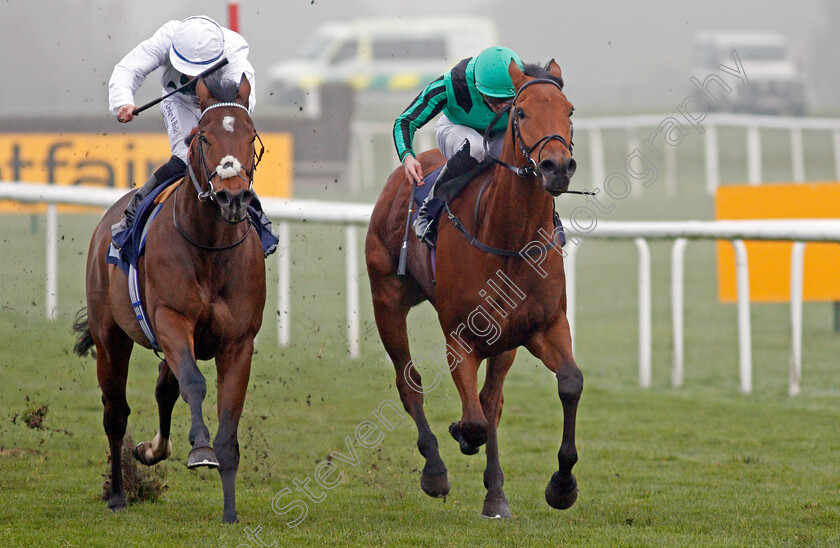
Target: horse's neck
[515,208]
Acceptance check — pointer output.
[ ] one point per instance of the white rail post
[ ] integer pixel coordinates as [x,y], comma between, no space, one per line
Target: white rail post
[677,308]
[797,155]
[712,160]
[644,312]
[284,320]
[744,330]
[596,148]
[797,276]
[352,288]
[753,155]
[52,261]
[569,268]
[836,141]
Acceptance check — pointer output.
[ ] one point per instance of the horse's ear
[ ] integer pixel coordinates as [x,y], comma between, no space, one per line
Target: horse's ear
[516,75]
[202,93]
[244,92]
[554,68]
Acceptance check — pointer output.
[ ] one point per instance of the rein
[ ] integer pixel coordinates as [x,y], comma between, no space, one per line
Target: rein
[196,244]
[530,169]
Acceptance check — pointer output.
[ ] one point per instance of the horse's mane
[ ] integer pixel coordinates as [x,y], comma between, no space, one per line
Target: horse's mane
[536,70]
[221,88]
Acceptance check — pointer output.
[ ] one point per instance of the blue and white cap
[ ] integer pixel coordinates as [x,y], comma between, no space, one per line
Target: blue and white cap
[198,43]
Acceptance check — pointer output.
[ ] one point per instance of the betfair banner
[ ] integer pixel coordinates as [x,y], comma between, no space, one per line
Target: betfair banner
[118,161]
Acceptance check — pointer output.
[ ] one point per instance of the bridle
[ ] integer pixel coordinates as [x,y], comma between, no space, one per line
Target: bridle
[200,139]
[211,193]
[531,168]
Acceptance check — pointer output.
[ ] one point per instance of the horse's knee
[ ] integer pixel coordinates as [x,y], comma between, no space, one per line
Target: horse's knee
[193,385]
[569,383]
[115,420]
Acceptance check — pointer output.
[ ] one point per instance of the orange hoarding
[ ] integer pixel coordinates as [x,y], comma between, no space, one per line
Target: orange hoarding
[769,262]
[118,161]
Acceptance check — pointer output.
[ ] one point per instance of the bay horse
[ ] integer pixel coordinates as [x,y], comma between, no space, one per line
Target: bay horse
[516,207]
[202,284]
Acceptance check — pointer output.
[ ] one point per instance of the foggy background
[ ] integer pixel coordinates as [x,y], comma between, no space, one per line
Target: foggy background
[617,56]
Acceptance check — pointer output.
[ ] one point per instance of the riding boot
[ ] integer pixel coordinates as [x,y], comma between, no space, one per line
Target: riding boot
[174,167]
[425,226]
[267,235]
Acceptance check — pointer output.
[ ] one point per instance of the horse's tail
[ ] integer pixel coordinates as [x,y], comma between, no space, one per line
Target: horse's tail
[84,340]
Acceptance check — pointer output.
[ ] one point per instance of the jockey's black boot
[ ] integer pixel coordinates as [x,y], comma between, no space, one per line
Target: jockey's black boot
[175,166]
[426,223]
[269,243]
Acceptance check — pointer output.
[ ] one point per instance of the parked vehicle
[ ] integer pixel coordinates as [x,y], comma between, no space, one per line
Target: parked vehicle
[390,55]
[776,84]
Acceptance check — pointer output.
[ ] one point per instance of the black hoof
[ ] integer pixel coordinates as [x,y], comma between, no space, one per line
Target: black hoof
[435,484]
[561,492]
[495,507]
[117,502]
[466,448]
[230,518]
[202,456]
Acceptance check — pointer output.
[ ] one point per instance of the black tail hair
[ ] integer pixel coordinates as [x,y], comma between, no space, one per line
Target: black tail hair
[84,340]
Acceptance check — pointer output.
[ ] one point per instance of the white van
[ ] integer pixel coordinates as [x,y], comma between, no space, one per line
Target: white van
[381,54]
[776,85]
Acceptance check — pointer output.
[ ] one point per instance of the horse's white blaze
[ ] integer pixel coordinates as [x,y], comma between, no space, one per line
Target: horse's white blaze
[228,166]
[227,123]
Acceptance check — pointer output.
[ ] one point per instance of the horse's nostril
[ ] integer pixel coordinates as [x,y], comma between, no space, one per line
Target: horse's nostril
[571,166]
[548,166]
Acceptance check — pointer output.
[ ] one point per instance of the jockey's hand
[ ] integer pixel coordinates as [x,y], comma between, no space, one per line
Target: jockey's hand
[413,170]
[124,114]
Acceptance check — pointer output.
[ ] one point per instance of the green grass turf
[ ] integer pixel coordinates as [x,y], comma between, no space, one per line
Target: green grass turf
[701,465]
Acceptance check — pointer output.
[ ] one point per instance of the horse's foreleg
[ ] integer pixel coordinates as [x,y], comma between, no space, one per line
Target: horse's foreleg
[166,394]
[391,322]
[234,369]
[113,350]
[471,431]
[495,503]
[554,348]
[176,340]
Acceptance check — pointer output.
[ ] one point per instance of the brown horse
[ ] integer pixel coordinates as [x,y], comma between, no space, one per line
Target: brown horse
[489,298]
[202,284]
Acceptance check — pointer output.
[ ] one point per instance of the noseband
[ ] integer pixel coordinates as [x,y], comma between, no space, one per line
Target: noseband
[531,168]
[210,193]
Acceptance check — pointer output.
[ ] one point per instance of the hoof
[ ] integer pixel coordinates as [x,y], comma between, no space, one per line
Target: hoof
[561,492]
[202,456]
[495,507]
[435,484]
[466,448]
[230,518]
[117,502]
[144,454]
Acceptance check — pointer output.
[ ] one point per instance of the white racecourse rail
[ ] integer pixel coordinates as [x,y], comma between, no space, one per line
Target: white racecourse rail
[354,215]
[362,149]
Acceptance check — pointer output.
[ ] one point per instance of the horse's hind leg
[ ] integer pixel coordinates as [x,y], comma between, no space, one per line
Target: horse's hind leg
[166,394]
[391,321]
[495,503]
[553,347]
[113,350]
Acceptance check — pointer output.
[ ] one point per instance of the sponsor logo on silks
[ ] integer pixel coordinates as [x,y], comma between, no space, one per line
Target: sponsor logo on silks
[184,79]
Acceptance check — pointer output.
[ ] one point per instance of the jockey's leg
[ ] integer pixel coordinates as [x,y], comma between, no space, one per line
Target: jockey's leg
[174,167]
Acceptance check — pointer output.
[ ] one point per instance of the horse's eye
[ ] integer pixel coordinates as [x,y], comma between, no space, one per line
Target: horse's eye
[520,113]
